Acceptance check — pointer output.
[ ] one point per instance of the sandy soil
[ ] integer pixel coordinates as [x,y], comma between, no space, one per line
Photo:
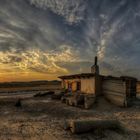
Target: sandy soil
[43,119]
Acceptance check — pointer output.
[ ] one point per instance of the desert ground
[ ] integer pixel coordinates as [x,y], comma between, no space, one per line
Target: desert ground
[41,118]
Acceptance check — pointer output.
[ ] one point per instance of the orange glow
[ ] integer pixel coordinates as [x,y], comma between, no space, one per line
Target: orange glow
[27,76]
[34,64]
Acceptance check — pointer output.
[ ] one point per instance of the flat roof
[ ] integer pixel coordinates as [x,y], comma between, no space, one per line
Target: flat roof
[89,75]
[120,78]
[75,76]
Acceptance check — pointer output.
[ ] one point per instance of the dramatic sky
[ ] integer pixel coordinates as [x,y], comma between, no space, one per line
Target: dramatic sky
[42,39]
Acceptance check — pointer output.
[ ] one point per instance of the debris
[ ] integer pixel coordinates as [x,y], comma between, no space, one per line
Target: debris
[18,103]
[75,100]
[79,100]
[89,100]
[57,96]
[44,94]
[65,96]
[82,126]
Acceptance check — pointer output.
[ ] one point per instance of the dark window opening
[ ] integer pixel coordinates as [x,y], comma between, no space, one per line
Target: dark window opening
[78,85]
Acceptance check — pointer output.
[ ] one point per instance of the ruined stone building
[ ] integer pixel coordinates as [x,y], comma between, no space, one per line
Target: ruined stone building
[118,90]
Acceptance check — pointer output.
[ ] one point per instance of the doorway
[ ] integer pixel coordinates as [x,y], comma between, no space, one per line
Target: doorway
[78,86]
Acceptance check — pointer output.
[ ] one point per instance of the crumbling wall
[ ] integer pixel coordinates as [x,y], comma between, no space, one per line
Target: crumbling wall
[88,86]
[115,91]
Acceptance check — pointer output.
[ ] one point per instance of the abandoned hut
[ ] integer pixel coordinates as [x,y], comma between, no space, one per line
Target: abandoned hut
[118,90]
[86,83]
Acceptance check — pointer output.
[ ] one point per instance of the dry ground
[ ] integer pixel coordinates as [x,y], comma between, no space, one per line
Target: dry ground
[43,119]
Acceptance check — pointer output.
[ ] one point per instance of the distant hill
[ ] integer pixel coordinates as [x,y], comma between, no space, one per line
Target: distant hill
[28,84]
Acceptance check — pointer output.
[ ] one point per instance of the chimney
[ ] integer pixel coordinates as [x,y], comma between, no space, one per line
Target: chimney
[95,67]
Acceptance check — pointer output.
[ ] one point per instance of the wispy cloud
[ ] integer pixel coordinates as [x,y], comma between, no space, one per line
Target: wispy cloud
[73,11]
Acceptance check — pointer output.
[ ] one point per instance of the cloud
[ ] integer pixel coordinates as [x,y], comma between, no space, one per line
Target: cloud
[61,37]
[39,61]
[73,11]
